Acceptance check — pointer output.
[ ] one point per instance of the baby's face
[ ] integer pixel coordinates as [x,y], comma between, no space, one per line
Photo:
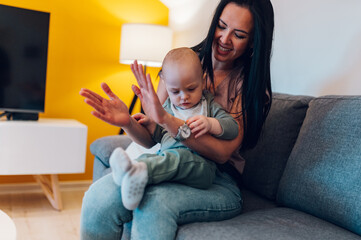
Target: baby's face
[184,84]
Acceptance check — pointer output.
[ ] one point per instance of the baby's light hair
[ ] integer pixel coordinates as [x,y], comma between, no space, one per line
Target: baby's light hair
[183,56]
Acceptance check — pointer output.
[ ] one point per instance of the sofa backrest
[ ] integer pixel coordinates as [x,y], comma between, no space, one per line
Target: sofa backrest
[265,163]
[323,174]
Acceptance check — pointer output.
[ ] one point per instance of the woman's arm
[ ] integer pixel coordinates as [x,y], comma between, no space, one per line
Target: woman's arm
[213,148]
[217,149]
[139,133]
[115,112]
[206,145]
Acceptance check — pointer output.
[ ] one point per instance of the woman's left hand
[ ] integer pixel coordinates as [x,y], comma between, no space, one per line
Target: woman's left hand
[146,93]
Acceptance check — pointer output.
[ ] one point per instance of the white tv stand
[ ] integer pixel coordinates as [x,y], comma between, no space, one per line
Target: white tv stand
[41,148]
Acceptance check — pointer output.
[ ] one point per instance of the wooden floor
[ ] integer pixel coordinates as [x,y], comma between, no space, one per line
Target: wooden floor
[35,219]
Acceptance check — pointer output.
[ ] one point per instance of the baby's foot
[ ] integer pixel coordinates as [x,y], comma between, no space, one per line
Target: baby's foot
[133,185]
[120,164]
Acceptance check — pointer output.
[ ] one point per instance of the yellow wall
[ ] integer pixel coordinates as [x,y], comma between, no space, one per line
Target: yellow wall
[83,51]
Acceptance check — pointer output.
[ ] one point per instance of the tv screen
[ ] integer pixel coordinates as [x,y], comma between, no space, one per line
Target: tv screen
[23,59]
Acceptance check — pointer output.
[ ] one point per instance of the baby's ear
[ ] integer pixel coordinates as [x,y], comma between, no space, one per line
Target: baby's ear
[161,77]
[160,74]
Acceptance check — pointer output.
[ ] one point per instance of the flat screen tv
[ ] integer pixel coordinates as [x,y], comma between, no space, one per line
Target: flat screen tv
[23,61]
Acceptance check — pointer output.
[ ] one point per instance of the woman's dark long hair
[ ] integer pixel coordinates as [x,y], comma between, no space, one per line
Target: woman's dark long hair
[253,67]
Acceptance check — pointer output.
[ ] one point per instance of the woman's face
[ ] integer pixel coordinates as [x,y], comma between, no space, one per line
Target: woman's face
[233,34]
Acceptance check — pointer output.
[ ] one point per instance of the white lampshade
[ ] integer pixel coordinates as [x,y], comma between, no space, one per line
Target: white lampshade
[146,43]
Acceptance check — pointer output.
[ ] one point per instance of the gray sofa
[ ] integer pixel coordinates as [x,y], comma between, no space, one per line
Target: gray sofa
[301,181]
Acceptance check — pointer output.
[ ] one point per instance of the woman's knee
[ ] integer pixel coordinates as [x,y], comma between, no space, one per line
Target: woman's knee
[156,217]
[103,202]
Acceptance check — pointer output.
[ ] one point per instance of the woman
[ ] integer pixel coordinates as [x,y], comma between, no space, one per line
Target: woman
[236,60]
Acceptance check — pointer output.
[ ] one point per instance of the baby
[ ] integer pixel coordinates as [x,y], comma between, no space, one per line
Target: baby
[183,77]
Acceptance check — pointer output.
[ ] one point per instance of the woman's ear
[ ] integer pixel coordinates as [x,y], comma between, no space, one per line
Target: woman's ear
[203,82]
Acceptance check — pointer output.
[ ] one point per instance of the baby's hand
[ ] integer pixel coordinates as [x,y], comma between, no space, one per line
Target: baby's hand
[199,125]
[145,121]
[141,118]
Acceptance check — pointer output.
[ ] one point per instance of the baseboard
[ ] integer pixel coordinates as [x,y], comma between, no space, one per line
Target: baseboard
[34,187]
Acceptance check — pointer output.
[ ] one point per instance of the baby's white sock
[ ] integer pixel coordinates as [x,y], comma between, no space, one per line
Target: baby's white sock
[133,185]
[120,164]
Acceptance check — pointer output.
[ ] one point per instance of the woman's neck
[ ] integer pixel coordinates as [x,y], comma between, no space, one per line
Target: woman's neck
[222,66]
[221,71]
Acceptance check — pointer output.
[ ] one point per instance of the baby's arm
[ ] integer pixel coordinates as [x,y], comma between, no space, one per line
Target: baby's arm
[200,125]
[220,124]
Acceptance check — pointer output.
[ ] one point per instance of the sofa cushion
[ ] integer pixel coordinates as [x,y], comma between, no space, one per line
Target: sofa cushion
[253,202]
[323,174]
[265,163]
[275,223]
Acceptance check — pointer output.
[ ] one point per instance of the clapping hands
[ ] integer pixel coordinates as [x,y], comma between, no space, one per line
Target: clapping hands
[115,112]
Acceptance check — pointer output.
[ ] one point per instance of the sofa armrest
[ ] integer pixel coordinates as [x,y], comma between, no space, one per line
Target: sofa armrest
[103,147]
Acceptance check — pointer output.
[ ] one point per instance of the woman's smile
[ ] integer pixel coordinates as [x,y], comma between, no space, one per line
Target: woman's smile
[222,50]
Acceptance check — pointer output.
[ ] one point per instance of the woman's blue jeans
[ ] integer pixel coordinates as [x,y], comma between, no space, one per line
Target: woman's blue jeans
[163,208]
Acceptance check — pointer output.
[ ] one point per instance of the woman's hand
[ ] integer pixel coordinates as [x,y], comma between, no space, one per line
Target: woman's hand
[145,92]
[112,110]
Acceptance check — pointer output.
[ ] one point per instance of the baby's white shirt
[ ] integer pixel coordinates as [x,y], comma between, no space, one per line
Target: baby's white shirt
[184,114]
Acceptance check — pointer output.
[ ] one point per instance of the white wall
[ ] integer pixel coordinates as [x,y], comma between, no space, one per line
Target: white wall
[317,43]
[317,47]
[190,20]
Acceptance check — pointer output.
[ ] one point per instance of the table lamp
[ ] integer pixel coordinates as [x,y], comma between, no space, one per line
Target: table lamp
[146,43]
